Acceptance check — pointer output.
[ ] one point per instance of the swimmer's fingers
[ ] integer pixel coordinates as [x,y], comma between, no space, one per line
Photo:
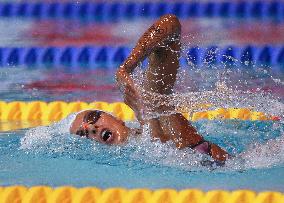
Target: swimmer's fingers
[131,92]
[131,97]
[142,101]
[134,100]
[123,78]
[135,105]
[131,103]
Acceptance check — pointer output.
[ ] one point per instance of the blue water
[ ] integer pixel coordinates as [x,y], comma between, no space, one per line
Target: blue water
[48,156]
[41,83]
[51,157]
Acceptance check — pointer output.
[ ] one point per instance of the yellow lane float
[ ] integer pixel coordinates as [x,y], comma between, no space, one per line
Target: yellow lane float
[18,114]
[121,195]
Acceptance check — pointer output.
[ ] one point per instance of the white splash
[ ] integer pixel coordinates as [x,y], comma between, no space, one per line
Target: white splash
[40,136]
[264,155]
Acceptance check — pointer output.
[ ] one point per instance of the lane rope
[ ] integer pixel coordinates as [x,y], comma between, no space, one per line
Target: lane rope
[121,195]
[117,10]
[56,110]
[18,115]
[112,56]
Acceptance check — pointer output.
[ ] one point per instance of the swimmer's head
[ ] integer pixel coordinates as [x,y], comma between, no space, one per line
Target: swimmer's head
[100,126]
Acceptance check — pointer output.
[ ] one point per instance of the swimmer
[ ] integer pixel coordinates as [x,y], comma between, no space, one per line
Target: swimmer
[161,45]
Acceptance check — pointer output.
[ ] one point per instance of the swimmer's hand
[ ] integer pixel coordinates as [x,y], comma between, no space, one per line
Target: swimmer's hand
[130,93]
[123,78]
[133,99]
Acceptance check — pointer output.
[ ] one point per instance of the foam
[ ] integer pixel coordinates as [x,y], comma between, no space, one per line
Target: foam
[188,95]
[43,134]
[265,155]
[56,141]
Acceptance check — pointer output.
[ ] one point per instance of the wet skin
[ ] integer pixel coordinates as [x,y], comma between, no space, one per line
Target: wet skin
[161,44]
[108,129]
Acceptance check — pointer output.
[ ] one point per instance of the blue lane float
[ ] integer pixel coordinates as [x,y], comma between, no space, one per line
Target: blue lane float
[108,57]
[109,11]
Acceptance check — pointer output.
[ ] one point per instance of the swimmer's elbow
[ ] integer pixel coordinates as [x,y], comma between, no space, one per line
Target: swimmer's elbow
[172,22]
[172,19]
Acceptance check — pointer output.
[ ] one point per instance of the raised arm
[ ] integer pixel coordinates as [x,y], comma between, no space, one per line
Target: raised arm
[166,29]
[165,32]
[161,44]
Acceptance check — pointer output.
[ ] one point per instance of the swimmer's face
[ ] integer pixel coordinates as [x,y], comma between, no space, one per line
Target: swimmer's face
[100,126]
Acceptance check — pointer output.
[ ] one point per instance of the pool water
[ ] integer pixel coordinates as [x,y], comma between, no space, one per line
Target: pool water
[50,156]
[59,83]
[26,84]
